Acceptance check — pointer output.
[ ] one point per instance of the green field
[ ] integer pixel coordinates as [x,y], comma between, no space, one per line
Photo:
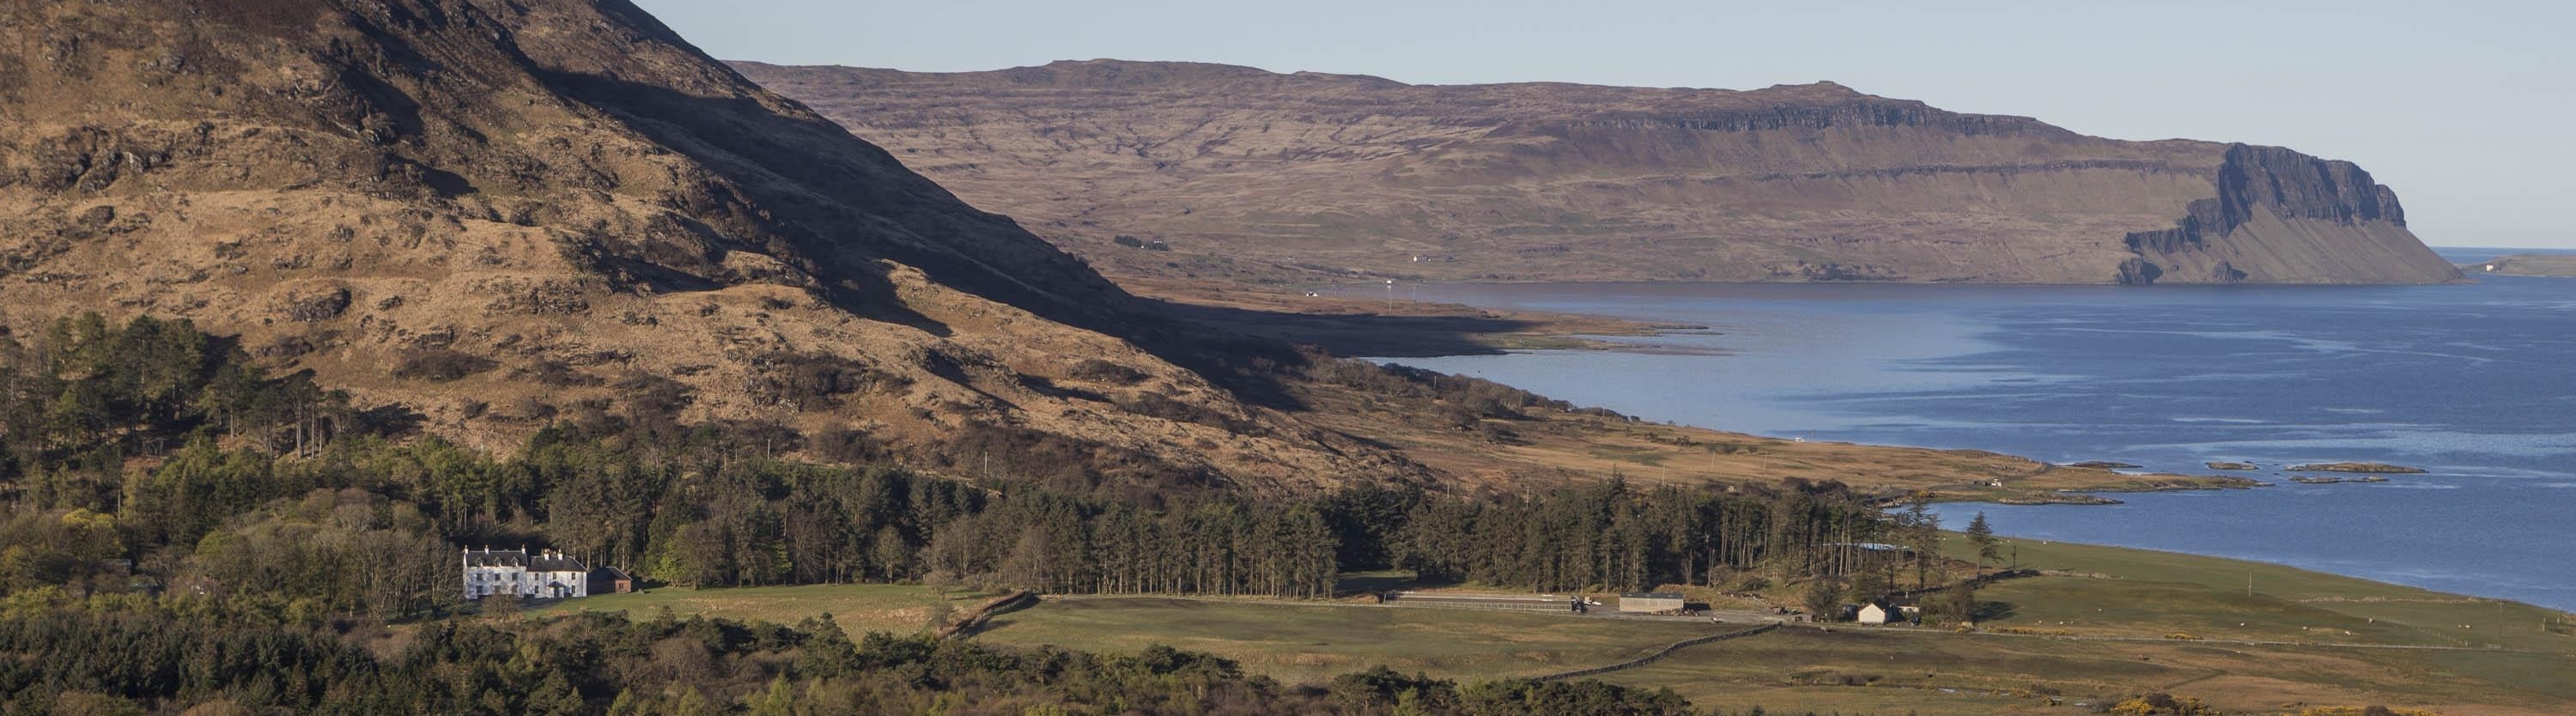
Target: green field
[1315,641]
[1935,673]
[2097,627]
[858,608]
[2109,591]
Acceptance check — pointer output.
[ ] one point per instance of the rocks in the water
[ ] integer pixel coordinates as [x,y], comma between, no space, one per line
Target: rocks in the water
[2311,480]
[2068,498]
[2106,465]
[2364,467]
[2216,465]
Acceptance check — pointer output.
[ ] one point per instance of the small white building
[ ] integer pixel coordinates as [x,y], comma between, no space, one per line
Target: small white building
[1874,613]
[544,575]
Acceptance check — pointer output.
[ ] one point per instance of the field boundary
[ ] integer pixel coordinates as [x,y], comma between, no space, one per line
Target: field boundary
[974,621]
[1658,655]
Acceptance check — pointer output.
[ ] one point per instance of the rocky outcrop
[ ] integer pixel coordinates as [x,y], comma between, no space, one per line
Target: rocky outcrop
[1263,176]
[2293,218]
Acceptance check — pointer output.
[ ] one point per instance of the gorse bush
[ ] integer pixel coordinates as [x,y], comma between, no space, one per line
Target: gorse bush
[440,365]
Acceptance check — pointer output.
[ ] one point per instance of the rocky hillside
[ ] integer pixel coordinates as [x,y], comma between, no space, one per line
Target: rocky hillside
[1263,176]
[503,213]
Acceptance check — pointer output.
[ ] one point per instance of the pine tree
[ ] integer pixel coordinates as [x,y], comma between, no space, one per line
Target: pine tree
[1869,585]
[1983,537]
[1824,600]
[1923,533]
[778,700]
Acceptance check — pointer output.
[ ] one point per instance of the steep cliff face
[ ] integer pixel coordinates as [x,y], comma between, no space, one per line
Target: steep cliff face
[605,220]
[2278,209]
[1268,176]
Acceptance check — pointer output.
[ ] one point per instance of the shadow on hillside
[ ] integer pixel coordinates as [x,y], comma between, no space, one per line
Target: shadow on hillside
[1988,611]
[1357,334]
[391,420]
[810,195]
[838,208]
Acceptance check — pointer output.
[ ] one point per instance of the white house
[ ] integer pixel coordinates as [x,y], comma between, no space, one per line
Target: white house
[1874,613]
[544,575]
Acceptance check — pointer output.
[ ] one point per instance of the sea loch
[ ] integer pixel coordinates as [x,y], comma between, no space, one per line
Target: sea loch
[2476,383]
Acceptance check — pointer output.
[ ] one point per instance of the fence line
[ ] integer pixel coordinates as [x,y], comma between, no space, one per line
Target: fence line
[1659,654]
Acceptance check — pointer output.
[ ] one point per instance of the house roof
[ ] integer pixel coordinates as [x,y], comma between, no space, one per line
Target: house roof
[547,561]
[1650,595]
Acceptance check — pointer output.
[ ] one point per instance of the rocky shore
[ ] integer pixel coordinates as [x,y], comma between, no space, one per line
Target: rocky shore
[2378,468]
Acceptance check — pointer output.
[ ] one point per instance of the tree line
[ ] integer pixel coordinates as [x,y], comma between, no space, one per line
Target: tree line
[258,496]
[204,656]
[184,530]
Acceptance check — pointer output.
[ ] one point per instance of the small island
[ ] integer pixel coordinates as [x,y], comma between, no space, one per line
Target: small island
[2365,467]
[2105,465]
[2216,465]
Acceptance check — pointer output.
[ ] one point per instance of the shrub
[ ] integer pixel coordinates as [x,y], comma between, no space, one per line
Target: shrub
[807,381]
[847,445]
[1100,371]
[440,365]
[560,374]
[1164,406]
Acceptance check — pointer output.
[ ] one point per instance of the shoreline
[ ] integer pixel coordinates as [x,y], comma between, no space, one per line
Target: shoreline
[1352,325]
[1398,328]
[2105,488]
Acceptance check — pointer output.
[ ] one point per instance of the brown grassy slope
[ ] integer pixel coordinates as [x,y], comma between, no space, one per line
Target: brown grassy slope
[566,189]
[1257,176]
[1542,447]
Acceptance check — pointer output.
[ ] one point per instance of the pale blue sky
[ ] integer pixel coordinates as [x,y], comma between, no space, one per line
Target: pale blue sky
[2468,109]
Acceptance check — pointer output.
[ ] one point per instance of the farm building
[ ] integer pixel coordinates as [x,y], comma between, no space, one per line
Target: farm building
[610,580]
[1649,602]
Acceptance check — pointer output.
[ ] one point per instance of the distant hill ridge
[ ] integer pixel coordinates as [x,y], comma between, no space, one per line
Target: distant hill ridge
[1267,176]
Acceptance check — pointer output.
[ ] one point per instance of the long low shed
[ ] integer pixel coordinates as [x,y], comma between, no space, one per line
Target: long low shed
[1471,600]
[1650,602]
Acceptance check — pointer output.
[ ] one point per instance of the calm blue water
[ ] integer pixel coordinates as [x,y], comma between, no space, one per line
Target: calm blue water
[2474,382]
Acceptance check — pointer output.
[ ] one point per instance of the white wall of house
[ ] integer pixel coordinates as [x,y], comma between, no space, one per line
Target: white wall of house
[1872,614]
[491,572]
